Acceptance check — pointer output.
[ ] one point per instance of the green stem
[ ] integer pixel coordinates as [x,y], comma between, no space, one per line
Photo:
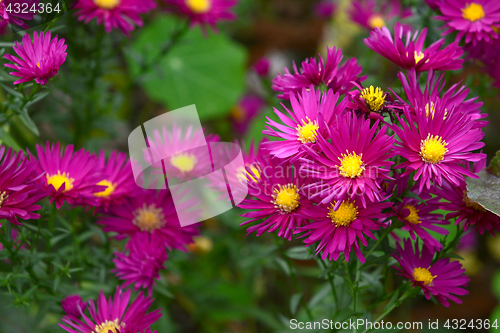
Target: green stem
[381,238]
[52,217]
[331,280]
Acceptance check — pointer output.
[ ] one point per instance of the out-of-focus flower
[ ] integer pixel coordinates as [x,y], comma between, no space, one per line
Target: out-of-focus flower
[320,74]
[372,13]
[468,241]
[73,306]
[444,279]
[40,58]
[262,66]
[338,230]
[245,111]
[69,176]
[433,4]
[142,263]
[114,315]
[203,12]
[201,244]
[410,53]
[325,9]
[153,212]
[3,26]
[19,188]
[11,15]
[312,112]
[114,14]
[475,20]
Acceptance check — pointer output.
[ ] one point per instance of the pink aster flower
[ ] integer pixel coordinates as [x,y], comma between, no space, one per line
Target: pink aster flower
[153,212]
[325,9]
[40,58]
[338,230]
[10,15]
[351,160]
[122,14]
[73,306]
[243,113]
[474,20]
[115,314]
[19,188]
[262,66]
[312,112]
[203,12]
[375,13]
[142,262]
[410,52]
[443,279]
[69,176]
[320,73]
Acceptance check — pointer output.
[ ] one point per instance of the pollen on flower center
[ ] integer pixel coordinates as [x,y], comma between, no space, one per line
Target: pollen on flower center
[472,204]
[430,109]
[109,327]
[473,12]
[184,162]
[376,21]
[3,195]
[351,165]
[58,179]
[413,218]
[308,132]
[419,56]
[149,218]
[423,275]
[286,198]
[433,149]
[107,4]
[344,215]
[199,6]
[108,191]
[253,174]
[374,98]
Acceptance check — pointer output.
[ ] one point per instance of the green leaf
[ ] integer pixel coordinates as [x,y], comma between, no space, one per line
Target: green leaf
[207,71]
[485,191]
[393,299]
[294,302]
[7,139]
[28,122]
[299,253]
[282,263]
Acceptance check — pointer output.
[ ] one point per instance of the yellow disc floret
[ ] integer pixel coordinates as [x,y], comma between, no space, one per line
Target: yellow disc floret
[109,327]
[110,188]
[418,56]
[307,132]
[374,98]
[413,218]
[472,204]
[344,215]
[376,21]
[184,162]
[3,195]
[433,149]
[149,218]
[246,175]
[286,198]
[351,165]
[199,6]
[58,179]
[107,4]
[423,275]
[473,12]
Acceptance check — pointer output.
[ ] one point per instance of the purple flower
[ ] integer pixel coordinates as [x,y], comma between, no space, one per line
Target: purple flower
[114,315]
[10,15]
[262,66]
[375,13]
[245,111]
[410,53]
[40,58]
[443,279]
[73,306]
[325,9]
[320,74]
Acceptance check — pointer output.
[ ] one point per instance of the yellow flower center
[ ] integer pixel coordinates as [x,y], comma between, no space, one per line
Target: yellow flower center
[109,327]
[149,218]
[413,218]
[472,204]
[199,6]
[430,110]
[58,179]
[418,56]
[375,98]
[108,191]
[473,12]
[351,165]
[3,195]
[423,275]
[184,162]
[107,4]
[433,149]
[286,198]
[308,132]
[253,174]
[344,215]
[376,21]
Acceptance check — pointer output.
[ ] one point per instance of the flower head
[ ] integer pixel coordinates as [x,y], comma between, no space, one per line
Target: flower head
[444,279]
[10,15]
[40,58]
[73,306]
[371,14]
[243,113]
[262,66]
[325,9]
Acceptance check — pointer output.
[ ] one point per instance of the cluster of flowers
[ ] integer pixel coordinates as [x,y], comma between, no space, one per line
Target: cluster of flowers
[351,160]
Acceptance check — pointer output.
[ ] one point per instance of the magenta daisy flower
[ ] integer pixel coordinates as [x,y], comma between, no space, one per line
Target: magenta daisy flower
[69,176]
[19,187]
[151,212]
[338,230]
[262,67]
[10,15]
[320,73]
[40,58]
[243,113]
[410,53]
[114,14]
[115,314]
[142,262]
[203,12]
[351,160]
[372,13]
[475,20]
[437,145]
[312,112]
[443,279]
[73,306]
[116,175]
[325,9]
[419,219]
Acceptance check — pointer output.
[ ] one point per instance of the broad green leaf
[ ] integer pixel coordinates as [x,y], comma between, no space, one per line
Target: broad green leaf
[485,191]
[299,253]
